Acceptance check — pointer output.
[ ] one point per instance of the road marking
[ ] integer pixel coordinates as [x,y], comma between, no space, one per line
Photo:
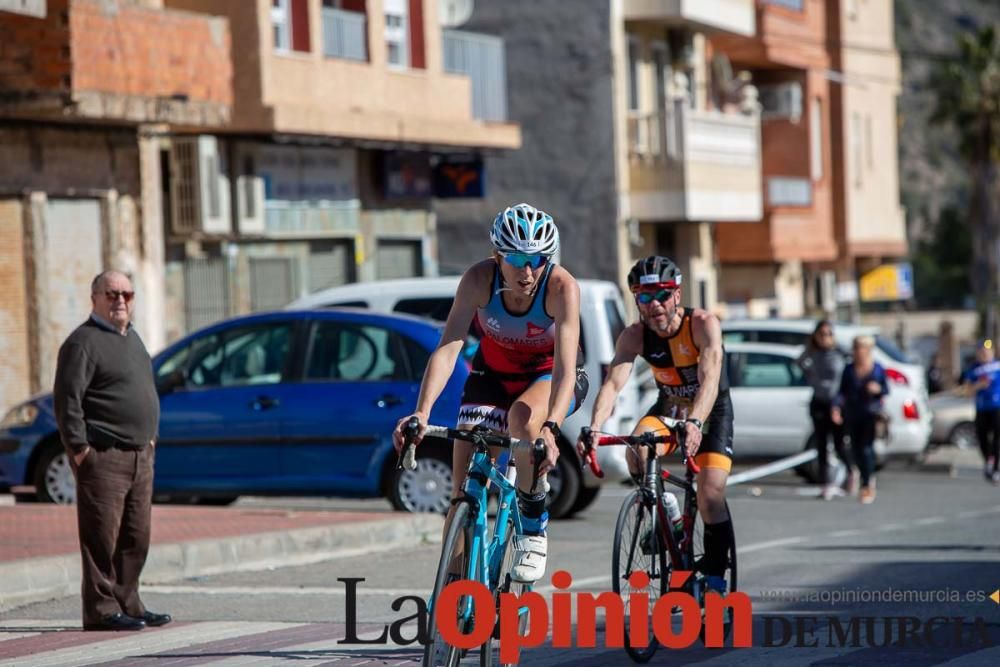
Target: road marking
[147,643]
[181,589]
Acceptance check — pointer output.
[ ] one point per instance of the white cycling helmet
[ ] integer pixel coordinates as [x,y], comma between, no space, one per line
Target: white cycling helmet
[525,229]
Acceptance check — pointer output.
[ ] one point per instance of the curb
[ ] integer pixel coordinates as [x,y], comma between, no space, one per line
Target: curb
[38,579]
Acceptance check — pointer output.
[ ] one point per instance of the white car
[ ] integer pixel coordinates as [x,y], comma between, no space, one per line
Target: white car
[601,320]
[771,405]
[907,404]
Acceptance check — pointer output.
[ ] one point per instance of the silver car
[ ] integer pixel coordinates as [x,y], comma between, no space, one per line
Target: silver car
[954,420]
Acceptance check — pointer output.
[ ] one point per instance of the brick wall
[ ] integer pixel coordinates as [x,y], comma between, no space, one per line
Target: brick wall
[147,52]
[34,53]
[116,46]
[15,383]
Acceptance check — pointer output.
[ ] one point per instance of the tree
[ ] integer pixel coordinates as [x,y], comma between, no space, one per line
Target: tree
[968,98]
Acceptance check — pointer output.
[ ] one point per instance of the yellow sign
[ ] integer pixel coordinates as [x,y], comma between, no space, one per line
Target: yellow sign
[889,282]
[996,596]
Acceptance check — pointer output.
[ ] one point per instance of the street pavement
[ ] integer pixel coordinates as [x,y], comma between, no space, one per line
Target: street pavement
[928,548]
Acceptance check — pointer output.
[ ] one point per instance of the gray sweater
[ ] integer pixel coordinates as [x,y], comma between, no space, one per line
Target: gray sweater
[823,369]
[105,381]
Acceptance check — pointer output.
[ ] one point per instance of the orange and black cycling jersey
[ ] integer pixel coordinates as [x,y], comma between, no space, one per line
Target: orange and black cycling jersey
[674,360]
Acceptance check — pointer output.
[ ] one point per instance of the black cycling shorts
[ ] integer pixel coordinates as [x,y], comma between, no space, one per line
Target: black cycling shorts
[488,395]
[716,450]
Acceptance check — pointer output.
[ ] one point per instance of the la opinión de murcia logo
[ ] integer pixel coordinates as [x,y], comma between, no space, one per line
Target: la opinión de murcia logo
[560,618]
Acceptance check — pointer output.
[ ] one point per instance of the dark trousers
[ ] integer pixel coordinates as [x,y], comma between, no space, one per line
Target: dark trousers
[823,428]
[862,433]
[114,496]
[988,434]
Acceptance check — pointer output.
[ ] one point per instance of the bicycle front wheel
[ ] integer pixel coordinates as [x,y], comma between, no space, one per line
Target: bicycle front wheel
[638,548]
[454,565]
[489,656]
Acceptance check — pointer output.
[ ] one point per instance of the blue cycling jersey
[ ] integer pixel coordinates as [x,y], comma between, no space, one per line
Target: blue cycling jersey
[988,397]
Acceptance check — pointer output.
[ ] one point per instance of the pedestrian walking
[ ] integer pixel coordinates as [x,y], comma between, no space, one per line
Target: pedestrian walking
[108,413]
[823,365]
[983,378]
[858,406]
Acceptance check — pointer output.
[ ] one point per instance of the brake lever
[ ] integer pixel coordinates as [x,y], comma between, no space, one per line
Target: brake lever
[408,457]
[589,453]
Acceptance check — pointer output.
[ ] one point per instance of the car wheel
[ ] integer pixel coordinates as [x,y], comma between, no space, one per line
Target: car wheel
[53,476]
[426,489]
[585,498]
[963,436]
[564,485]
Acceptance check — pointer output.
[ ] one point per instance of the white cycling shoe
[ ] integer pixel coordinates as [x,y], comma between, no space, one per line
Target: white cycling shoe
[529,558]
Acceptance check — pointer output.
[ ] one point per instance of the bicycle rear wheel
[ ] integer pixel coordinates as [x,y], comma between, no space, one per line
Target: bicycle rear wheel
[698,555]
[454,565]
[638,547]
[489,655]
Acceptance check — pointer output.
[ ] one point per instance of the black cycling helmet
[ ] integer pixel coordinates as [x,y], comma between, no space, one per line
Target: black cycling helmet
[654,270]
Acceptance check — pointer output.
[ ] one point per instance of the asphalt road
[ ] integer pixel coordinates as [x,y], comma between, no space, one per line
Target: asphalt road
[929,547]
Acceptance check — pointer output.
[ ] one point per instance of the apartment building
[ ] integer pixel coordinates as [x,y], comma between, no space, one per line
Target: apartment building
[81,116]
[349,116]
[828,76]
[636,137]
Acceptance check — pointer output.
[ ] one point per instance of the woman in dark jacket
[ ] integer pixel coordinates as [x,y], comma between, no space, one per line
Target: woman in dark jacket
[857,405]
[823,365]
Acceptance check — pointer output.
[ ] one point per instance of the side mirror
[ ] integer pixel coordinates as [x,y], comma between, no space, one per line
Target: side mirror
[176,379]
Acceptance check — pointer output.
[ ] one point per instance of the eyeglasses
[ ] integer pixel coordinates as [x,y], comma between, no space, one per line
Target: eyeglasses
[826,334]
[113,295]
[519,260]
[646,298]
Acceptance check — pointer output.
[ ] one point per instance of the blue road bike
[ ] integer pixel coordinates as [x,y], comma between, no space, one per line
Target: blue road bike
[470,550]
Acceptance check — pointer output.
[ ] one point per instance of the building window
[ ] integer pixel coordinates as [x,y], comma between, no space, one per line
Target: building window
[633,74]
[290,25]
[661,63]
[396,28]
[816,139]
[282,25]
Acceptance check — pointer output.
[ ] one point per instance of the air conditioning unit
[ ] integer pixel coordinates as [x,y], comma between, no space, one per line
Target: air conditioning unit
[199,186]
[783,100]
[250,217]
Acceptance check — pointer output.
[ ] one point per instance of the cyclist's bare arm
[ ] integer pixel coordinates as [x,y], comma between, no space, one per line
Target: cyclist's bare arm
[707,335]
[562,301]
[472,293]
[627,348]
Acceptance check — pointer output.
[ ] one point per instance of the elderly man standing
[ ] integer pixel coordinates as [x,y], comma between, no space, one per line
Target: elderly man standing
[108,413]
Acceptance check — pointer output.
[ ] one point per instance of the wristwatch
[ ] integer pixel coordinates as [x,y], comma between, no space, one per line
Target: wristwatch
[553,428]
[696,422]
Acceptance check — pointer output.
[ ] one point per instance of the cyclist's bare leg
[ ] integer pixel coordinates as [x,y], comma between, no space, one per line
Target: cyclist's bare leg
[712,495]
[636,456]
[525,419]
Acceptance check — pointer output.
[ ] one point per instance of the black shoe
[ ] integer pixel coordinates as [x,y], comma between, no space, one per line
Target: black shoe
[116,622]
[156,620]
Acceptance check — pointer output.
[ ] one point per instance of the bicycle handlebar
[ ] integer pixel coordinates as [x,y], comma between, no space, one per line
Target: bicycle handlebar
[475,436]
[649,439]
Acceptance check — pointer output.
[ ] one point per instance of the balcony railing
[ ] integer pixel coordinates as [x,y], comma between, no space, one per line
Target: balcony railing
[482,59]
[344,34]
[693,135]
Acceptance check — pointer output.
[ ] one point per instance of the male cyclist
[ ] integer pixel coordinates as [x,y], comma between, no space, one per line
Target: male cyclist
[524,378]
[684,348]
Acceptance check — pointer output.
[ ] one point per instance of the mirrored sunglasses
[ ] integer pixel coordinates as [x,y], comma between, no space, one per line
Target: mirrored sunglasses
[520,260]
[646,298]
[114,294]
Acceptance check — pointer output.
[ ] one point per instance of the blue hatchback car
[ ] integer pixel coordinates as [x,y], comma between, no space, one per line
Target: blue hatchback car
[290,403]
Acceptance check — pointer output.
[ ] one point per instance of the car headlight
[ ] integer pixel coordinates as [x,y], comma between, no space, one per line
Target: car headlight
[20,416]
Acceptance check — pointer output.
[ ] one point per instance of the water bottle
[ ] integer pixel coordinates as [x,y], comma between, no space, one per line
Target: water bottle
[673,509]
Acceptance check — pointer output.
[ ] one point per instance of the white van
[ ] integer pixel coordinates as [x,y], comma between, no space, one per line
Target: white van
[601,318]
